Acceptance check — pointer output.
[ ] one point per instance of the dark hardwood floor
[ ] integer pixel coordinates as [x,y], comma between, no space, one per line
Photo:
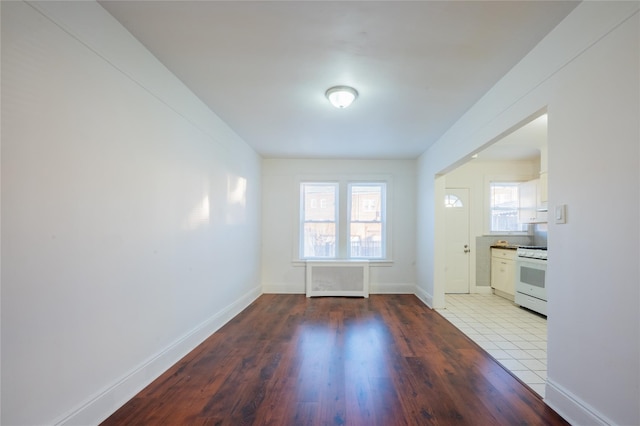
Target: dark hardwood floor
[289,360]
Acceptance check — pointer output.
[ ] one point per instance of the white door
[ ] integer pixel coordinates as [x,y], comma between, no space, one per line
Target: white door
[457,240]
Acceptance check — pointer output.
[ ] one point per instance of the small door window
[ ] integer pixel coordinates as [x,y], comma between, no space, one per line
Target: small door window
[452,201]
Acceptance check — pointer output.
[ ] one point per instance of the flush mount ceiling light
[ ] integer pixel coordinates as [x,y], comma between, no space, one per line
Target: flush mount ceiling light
[341,96]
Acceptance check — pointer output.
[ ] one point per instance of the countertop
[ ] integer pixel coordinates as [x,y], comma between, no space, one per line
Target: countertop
[504,247]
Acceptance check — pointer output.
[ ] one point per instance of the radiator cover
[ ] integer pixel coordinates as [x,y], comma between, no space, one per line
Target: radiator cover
[337,278]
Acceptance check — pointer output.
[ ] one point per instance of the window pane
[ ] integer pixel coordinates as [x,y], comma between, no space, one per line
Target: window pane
[319,240]
[452,201]
[504,207]
[365,203]
[366,240]
[319,203]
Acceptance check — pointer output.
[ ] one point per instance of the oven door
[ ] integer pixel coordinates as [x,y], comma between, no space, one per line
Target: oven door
[531,277]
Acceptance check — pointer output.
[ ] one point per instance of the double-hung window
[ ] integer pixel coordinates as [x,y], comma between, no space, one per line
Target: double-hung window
[366,220]
[319,218]
[504,207]
[343,220]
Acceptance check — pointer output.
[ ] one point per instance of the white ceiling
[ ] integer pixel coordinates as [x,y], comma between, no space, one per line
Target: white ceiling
[524,143]
[264,66]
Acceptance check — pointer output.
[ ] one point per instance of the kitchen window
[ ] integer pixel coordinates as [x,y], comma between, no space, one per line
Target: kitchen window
[504,204]
[352,229]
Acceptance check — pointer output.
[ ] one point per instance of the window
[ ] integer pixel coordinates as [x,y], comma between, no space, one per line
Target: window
[504,207]
[452,201]
[319,219]
[342,220]
[366,213]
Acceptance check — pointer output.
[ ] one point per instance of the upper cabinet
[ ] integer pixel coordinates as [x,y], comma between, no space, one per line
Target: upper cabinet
[532,208]
[533,194]
[542,186]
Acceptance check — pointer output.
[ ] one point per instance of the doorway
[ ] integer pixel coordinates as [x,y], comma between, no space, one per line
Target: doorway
[518,343]
[518,155]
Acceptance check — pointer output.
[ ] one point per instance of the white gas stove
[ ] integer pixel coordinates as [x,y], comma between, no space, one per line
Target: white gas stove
[531,272]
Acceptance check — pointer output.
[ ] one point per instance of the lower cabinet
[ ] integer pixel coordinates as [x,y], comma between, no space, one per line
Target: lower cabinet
[503,272]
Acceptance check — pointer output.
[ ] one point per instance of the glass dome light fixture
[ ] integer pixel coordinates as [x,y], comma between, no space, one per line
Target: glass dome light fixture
[341,96]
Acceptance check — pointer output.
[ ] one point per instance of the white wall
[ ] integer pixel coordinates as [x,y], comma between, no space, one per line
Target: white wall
[586,73]
[280,220]
[477,176]
[130,216]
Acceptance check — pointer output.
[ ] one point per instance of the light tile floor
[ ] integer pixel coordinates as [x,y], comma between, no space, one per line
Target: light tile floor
[515,337]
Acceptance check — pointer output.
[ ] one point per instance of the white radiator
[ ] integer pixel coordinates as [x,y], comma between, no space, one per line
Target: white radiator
[333,278]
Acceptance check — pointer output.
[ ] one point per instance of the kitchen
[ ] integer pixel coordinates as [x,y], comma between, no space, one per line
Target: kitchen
[496,226]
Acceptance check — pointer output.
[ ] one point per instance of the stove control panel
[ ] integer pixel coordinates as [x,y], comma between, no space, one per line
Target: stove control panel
[532,252]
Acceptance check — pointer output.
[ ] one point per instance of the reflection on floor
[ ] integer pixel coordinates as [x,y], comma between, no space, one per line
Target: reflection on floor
[515,337]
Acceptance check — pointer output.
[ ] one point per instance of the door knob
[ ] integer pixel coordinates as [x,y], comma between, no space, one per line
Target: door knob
[466,250]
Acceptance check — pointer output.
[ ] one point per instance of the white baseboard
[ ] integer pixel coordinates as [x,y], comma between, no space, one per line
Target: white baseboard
[374,288]
[571,408]
[392,288]
[425,297]
[283,289]
[100,406]
[482,290]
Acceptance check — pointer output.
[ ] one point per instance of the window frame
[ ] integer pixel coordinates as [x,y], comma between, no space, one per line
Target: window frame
[342,252]
[382,221]
[302,219]
[489,210]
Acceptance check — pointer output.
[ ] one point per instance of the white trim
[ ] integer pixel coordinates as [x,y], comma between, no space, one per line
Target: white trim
[380,263]
[374,288]
[571,408]
[337,218]
[101,405]
[484,289]
[343,180]
[425,297]
[392,288]
[383,217]
[376,263]
[283,289]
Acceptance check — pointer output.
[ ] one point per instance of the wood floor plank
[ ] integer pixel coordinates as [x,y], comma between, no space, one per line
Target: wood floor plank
[290,360]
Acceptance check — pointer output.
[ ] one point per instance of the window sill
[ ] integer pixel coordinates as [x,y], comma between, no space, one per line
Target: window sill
[506,233]
[372,262]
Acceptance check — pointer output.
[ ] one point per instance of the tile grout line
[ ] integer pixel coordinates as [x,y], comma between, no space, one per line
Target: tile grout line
[492,321]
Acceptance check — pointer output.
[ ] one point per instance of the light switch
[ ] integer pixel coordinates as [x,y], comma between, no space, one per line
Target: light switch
[561,213]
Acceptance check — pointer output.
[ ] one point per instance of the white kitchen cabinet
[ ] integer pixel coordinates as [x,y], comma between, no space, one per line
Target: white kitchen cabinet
[503,272]
[531,207]
[543,175]
[542,189]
